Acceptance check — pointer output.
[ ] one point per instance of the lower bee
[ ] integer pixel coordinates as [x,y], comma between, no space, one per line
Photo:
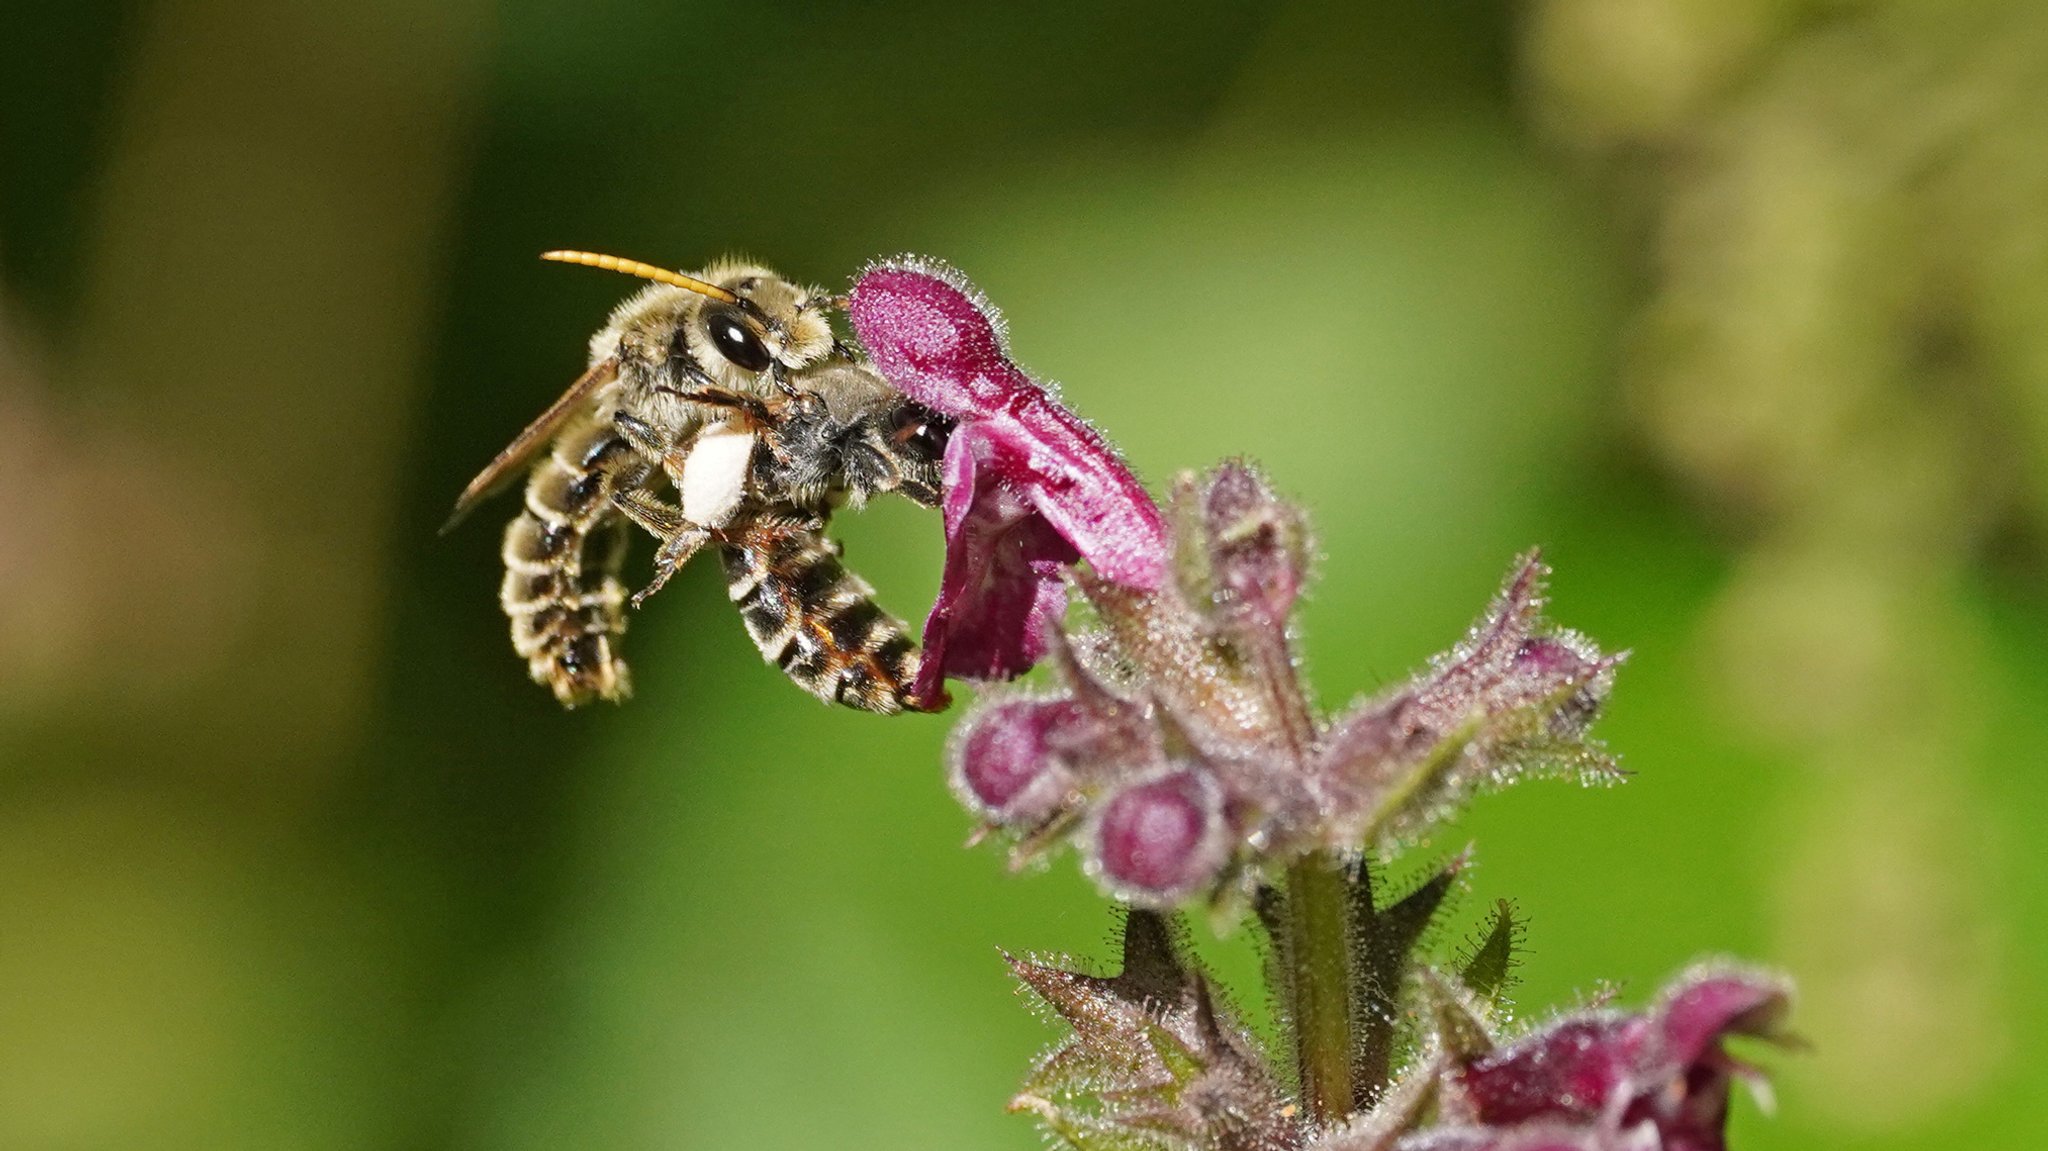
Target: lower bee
[718,411]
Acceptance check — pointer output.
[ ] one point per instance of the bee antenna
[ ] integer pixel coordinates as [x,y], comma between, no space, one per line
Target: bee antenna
[644,271]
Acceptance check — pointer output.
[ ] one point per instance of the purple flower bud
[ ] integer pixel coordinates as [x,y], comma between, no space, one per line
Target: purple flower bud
[1029,486]
[1258,546]
[1159,841]
[1515,697]
[1508,661]
[1004,767]
[1550,658]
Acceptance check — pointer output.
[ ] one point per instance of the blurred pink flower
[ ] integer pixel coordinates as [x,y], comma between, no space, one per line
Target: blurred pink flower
[1029,487]
[1658,1080]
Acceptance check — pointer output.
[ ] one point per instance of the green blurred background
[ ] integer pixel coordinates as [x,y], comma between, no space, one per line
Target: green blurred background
[1738,307]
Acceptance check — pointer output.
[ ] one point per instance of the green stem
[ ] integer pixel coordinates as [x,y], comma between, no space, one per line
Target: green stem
[1318,953]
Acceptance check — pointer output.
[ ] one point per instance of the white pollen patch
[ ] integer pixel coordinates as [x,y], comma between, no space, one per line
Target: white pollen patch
[715,475]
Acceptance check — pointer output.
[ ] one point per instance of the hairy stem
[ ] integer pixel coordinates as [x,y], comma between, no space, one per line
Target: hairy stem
[1318,954]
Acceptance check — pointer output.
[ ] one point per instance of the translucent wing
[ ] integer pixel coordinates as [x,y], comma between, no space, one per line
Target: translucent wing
[508,462]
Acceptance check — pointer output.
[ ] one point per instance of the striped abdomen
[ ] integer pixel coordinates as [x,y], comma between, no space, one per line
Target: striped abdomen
[815,620]
[562,558]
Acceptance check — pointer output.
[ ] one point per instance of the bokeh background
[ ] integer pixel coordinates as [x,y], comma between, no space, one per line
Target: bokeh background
[1738,307]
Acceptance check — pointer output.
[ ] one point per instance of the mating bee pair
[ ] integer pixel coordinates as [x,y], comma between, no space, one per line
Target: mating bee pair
[719,410]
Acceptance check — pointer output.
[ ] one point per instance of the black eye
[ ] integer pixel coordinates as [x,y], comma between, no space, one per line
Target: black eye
[737,342]
[921,429]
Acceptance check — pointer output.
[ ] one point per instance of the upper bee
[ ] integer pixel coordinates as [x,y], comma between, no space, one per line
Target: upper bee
[718,409]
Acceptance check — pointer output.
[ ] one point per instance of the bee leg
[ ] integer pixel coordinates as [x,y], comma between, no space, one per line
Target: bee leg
[713,396]
[680,538]
[675,552]
[642,436]
[655,516]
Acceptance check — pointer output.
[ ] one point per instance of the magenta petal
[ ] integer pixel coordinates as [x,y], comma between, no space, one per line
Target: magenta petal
[1568,1070]
[933,337]
[1695,1016]
[1002,587]
[1534,1139]
[1700,1010]
[1663,1070]
[1029,488]
[938,342]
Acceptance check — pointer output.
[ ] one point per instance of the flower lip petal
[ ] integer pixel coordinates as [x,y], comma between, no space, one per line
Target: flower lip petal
[1002,587]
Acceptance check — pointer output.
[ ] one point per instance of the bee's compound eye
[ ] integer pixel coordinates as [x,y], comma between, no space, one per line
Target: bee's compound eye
[737,342]
[923,429]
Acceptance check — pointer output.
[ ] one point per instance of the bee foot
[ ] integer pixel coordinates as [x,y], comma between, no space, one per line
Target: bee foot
[675,552]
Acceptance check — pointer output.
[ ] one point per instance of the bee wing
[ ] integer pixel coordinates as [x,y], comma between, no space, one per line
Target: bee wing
[501,469]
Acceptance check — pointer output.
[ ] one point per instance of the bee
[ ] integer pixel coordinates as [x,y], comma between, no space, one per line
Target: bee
[718,410]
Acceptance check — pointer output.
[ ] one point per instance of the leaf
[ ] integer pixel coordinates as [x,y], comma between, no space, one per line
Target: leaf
[1394,932]
[1382,941]
[1487,968]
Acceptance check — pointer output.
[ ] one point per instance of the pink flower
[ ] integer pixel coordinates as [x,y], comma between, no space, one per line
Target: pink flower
[1655,1080]
[1029,487]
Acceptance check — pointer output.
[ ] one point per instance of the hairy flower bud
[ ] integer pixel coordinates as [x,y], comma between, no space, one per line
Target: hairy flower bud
[1515,698]
[1005,766]
[1161,840]
[1258,546]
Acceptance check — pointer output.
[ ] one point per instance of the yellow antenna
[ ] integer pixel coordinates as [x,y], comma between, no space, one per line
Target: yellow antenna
[644,271]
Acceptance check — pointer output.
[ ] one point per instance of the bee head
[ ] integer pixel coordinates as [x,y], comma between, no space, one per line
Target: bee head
[771,323]
[753,320]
